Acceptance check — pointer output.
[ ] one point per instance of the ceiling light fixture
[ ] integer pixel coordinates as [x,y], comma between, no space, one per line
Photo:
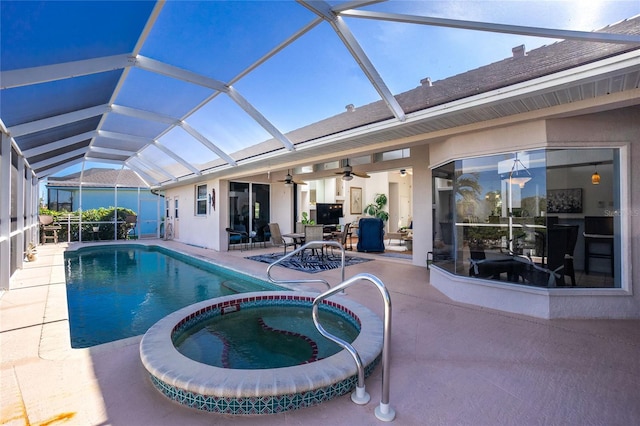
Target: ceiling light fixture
[595,177]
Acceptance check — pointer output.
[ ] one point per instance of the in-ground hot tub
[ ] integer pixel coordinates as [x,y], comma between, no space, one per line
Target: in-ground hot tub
[256,391]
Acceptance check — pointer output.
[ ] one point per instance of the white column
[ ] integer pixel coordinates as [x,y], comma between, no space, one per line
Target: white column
[18,252]
[5,211]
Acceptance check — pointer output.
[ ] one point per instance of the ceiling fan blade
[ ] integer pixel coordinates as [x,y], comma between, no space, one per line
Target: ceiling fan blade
[361,175]
[298,183]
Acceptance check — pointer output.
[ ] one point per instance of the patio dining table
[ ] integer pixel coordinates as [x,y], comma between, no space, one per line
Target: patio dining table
[298,237]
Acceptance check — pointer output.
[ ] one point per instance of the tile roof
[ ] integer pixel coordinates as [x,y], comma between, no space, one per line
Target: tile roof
[100,177]
[536,63]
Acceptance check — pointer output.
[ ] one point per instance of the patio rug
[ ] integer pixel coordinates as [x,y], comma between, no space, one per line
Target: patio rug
[309,263]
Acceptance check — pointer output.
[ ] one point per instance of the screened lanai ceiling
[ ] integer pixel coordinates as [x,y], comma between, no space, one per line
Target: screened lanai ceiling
[175,90]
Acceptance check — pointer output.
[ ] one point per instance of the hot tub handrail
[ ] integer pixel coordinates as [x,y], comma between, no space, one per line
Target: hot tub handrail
[383,411]
[299,250]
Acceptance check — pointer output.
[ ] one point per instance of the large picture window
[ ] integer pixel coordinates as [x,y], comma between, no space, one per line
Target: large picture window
[538,218]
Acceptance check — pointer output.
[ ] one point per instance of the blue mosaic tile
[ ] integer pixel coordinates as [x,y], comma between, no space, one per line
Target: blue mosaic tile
[267,404]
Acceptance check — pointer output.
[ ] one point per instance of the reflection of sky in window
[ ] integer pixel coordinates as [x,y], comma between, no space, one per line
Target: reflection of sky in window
[486,170]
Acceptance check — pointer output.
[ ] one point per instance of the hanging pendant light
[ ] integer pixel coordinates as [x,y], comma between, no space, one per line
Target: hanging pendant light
[519,173]
[595,177]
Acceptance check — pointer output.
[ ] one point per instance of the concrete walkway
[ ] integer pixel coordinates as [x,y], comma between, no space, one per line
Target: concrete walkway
[452,364]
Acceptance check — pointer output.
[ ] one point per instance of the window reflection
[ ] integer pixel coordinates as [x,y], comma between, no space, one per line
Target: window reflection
[520,217]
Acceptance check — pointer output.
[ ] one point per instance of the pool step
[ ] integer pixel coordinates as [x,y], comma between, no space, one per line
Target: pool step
[237,287]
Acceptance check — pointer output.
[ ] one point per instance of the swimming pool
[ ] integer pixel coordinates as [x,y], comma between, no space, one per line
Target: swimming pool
[119,291]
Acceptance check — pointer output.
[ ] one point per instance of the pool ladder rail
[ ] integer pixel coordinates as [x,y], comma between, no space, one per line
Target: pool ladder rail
[384,411]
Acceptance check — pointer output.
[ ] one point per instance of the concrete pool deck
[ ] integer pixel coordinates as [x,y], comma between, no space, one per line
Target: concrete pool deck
[451,364]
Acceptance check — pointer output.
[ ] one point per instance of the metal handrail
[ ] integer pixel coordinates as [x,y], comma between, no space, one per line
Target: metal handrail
[298,250]
[359,396]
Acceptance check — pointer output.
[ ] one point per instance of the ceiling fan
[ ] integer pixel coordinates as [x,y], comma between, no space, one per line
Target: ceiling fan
[348,173]
[288,180]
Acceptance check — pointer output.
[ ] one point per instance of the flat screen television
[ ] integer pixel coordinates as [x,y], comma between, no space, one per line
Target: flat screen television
[328,213]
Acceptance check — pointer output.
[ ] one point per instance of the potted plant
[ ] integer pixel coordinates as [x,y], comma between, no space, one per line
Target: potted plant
[376,209]
[306,220]
[32,253]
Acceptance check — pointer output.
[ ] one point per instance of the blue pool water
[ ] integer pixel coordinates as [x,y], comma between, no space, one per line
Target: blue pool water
[115,292]
[265,337]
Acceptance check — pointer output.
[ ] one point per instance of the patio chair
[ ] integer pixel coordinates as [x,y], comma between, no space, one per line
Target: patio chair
[277,239]
[48,230]
[562,241]
[131,223]
[342,238]
[237,237]
[314,233]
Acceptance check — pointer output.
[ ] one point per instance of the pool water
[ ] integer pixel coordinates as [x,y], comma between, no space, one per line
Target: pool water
[264,337]
[115,292]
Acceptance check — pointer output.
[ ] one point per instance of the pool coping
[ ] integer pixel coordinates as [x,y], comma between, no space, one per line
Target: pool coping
[176,375]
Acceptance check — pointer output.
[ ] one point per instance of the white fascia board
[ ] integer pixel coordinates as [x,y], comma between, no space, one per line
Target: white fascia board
[497,28]
[176,157]
[559,80]
[259,118]
[206,142]
[158,67]
[143,115]
[583,73]
[58,120]
[52,146]
[47,73]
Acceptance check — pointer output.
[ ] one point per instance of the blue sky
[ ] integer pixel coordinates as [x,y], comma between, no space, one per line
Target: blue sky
[315,77]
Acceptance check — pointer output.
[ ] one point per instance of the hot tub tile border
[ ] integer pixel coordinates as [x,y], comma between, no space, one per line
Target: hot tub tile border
[259,405]
[256,405]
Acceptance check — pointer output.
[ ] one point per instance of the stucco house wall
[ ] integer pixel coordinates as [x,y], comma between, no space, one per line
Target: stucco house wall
[618,128]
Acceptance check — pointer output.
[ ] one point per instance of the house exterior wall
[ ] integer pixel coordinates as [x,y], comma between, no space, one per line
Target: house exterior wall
[189,227]
[618,128]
